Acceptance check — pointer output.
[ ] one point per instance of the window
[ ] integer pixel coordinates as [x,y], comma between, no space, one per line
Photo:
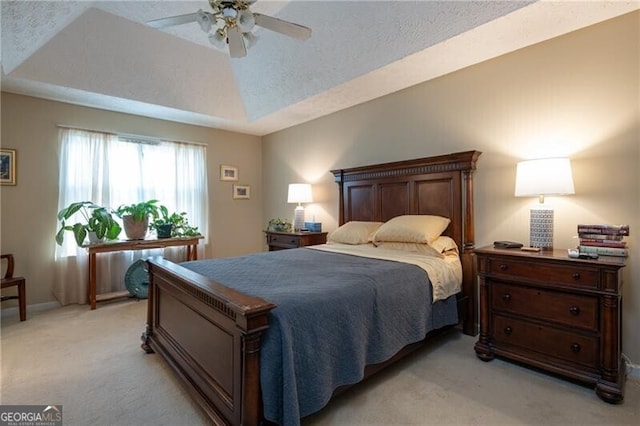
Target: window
[111,170]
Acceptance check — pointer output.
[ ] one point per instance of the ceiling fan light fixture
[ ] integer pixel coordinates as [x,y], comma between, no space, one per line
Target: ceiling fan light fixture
[218,39]
[245,21]
[230,24]
[250,39]
[204,21]
[228,13]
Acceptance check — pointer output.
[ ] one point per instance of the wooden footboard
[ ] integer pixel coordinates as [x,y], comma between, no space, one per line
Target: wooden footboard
[210,335]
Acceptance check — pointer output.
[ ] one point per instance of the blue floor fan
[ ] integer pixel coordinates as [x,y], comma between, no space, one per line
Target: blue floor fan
[136,279]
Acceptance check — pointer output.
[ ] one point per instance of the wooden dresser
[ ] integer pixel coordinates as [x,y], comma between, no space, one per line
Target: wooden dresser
[555,313]
[289,240]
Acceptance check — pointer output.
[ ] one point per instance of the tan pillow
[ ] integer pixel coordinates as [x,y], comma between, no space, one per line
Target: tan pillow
[421,248]
[354,232]
[411,229]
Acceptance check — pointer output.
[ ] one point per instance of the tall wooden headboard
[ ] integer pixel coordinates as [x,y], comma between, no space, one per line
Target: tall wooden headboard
[441,185]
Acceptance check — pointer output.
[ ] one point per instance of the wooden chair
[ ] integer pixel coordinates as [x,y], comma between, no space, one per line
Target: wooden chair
[9,281]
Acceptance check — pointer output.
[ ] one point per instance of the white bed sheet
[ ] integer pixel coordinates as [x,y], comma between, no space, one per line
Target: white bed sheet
[445,272]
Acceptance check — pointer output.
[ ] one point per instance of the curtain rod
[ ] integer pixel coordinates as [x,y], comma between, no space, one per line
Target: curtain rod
[131,135]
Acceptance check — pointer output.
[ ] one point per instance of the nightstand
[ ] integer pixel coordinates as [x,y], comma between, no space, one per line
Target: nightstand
[551,312]
[288,240]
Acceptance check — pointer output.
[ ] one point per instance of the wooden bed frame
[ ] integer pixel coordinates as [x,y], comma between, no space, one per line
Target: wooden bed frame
[211,334]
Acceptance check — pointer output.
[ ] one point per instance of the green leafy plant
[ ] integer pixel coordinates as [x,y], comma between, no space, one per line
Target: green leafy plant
[140,210]
[279,225]
[97,219]
[179,223]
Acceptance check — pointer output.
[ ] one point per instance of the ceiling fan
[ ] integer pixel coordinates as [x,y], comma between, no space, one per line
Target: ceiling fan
[231,22]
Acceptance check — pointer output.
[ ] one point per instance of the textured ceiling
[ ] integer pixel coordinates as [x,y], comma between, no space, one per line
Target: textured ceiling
[101,54]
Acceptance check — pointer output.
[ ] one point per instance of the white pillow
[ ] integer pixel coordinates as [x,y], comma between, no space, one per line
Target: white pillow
[354,232]
[411,229]
[420,248]
[443,244]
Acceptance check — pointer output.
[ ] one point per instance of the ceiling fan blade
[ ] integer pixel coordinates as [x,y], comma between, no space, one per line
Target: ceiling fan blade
[173,20]
[283,27]
[237,48]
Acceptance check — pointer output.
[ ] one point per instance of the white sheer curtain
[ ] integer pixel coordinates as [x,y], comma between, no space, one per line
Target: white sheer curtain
[111,171]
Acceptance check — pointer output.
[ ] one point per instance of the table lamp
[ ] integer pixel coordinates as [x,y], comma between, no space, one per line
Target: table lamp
[299,193]
[548,176]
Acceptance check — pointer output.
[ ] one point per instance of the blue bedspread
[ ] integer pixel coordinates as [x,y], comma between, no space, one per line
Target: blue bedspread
[335,314]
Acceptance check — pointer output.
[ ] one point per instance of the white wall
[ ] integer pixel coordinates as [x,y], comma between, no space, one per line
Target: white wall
[576,95]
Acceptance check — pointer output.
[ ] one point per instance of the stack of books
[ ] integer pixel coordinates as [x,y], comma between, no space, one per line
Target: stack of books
[604,240]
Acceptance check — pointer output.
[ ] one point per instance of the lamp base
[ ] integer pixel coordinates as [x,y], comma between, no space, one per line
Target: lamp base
[541,229]
[298,221]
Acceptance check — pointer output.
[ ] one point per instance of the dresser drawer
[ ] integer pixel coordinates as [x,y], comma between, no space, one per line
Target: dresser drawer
[553,342]
[563,308]
[283,241]
[576,276]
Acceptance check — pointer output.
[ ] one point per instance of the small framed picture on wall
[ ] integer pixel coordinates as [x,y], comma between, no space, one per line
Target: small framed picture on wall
[241,192]
[7,166]
[229,173]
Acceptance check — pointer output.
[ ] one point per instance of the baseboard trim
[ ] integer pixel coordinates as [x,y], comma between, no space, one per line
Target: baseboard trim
[5,312]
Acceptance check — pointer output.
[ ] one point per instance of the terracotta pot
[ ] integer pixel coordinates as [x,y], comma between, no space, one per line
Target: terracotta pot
[133,229]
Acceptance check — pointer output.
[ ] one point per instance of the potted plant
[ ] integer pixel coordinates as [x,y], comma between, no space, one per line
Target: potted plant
[173,225]
[164,223]
[279,225]
[135,218]
[98,224]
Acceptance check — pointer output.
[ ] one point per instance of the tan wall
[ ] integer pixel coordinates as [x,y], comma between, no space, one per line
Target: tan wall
[577,95]
[28,213]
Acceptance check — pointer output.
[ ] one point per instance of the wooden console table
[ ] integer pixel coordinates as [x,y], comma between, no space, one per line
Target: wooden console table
[192,254]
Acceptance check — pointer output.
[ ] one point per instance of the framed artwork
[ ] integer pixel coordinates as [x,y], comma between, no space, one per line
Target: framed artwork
[241,192]
[7,166]
[229,173]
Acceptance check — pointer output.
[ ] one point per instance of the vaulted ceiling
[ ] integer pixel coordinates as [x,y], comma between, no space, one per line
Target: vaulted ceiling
[102,54]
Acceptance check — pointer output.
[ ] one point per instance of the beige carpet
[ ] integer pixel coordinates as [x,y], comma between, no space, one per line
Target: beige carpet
[92,364]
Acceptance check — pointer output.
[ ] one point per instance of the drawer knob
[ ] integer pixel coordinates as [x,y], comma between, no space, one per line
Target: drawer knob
[504,267]
[576,275]
[574,310]
[575,347]
[508,330]
[506,297]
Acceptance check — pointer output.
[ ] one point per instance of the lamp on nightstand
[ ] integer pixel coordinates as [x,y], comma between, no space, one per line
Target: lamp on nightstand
[299,193]
[548,176]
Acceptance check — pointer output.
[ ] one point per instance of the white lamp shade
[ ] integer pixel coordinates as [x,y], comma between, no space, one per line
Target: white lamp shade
[299,193]
[548,176]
